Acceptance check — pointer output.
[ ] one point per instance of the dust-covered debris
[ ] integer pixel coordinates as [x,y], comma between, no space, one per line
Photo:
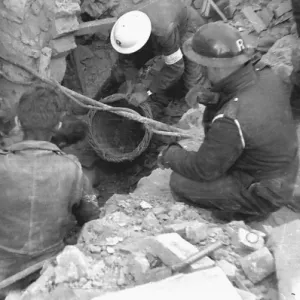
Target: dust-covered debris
[258,265]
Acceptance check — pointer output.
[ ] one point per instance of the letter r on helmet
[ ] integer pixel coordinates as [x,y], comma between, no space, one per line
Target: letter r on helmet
[240,45]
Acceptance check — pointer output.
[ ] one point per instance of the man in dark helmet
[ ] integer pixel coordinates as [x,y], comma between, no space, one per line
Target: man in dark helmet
[247,165]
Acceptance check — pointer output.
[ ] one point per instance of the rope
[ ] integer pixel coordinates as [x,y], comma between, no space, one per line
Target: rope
[86,102]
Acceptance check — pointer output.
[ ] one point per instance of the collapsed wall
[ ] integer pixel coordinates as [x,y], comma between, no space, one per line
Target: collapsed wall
[37,34]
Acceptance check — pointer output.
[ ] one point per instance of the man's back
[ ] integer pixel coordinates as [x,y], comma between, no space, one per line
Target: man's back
[269,131]
[39,185]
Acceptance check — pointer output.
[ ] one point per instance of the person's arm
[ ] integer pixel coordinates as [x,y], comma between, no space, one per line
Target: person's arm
[87,208]
[126,66]
[174,65]
[222,146]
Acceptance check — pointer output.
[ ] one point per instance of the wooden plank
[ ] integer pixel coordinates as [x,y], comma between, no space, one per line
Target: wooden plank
[104,26]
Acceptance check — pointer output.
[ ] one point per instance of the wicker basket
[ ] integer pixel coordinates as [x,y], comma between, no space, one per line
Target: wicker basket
[115,138]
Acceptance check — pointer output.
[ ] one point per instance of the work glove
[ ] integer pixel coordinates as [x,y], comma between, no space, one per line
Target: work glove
[161,159]
[199,94]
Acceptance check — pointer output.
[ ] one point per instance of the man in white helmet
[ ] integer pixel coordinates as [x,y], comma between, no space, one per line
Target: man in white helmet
[156,28]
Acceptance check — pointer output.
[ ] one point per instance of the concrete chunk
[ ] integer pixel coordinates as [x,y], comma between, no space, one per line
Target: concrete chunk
[209,284]
[196,232]
[258,265]
[228,268]
[139,266]
[285,244]
[181,227]
[66,8]
[254,19]
[64,25]
[266,16]
[282,9]
[173,249]
[104,26]
[62,46]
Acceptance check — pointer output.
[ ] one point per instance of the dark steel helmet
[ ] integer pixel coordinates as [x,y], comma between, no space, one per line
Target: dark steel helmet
[217,45]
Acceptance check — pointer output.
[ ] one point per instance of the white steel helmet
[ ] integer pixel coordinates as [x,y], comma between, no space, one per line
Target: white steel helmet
[131,32]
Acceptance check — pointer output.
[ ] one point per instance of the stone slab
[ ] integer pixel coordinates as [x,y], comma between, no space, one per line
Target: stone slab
[172,249]
[209,284]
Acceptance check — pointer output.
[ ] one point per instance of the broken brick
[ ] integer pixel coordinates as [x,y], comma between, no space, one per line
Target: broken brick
[66,8]
[228,268]
[178,228]
[150,221]
[196,232]
[64,25]
[138,267]
[62,46]
[104,26]
[71,255]
[258,265]
[254,19]
[172,249]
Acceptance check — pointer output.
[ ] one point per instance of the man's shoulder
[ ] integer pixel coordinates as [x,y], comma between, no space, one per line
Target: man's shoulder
[73,159]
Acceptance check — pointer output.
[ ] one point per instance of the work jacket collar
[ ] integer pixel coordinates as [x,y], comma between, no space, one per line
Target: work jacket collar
[27,145]
[236,82]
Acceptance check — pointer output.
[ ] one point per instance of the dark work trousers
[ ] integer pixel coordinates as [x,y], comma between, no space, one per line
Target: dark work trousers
[230,197]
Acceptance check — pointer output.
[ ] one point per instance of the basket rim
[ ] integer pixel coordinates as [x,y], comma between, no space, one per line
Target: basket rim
[142,146]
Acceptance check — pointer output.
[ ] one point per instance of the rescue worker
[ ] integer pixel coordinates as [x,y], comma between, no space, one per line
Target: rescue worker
[156,28]
[41,187]
[247,165]
[295,76]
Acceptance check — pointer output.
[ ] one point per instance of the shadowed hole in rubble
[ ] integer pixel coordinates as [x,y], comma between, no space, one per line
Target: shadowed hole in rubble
[111,177]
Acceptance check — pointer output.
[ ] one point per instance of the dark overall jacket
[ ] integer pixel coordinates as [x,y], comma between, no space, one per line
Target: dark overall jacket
[251,136]
[171,20]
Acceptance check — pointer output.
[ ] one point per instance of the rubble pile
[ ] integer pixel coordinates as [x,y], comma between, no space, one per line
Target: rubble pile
[37,34]
[140,236]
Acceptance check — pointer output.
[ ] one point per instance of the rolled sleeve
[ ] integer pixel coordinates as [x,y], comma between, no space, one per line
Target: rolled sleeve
[221,147]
